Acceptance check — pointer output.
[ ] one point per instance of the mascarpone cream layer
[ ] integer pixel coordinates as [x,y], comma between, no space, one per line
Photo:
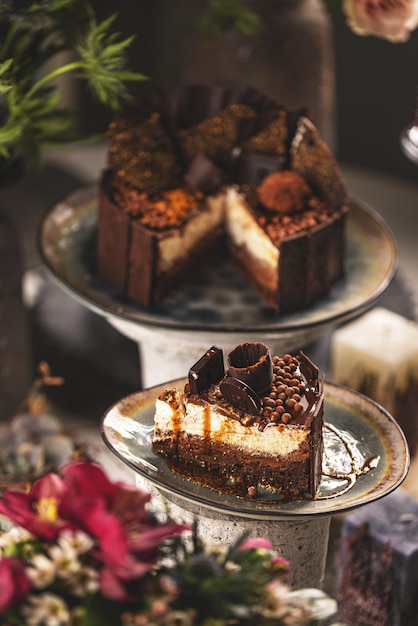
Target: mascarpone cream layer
[245,232]
[207,422]
[179,245]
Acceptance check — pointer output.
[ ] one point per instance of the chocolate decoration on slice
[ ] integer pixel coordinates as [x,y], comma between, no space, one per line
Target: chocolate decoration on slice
[209,369]
[240,395]
[253,167]
[251,363]
[307,368]
[203,174]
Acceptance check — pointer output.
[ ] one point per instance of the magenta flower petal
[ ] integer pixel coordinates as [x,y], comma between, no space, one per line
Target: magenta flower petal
[20,508]
[256,544]
[49,486]
[14,583]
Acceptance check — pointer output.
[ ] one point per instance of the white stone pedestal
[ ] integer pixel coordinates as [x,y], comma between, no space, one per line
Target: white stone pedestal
[167,354]
[302,540]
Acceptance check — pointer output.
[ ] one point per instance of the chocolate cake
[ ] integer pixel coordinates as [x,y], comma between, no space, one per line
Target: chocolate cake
[247,172]
[257,426]
[378,561]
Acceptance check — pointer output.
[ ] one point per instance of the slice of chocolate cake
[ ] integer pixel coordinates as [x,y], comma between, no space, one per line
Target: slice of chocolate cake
[378,563]
[177,182]
[259,426]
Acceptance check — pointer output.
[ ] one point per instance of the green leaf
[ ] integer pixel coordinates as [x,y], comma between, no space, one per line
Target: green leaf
[30,112]
[224,15]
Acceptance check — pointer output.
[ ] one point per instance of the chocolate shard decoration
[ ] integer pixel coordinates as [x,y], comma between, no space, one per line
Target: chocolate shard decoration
[251,363]
[203,174]
[307,368]
[253,167]
[208,370]
[240,395]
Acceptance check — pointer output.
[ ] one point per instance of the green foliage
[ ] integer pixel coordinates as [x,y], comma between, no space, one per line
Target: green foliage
[223,15]
[32,34]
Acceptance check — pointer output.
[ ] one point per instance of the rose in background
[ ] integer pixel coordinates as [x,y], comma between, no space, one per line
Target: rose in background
[393,20]
[80,550]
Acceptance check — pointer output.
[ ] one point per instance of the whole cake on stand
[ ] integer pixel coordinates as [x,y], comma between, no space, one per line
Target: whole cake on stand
[180,177]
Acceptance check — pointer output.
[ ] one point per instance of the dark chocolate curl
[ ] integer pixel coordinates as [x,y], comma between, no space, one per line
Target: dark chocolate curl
[251,363]
[208,370]
[240,395]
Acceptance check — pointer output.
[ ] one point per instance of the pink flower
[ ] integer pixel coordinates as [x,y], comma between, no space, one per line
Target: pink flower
[393,20]
[258,543]
[15,584]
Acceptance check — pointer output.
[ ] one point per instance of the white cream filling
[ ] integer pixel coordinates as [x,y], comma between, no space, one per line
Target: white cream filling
[245,232]
[207,422]
[179,244]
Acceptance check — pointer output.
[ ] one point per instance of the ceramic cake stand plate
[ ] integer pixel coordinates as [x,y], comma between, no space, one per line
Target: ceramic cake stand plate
[297,530]
[217,299]
[217,305]
[370,435]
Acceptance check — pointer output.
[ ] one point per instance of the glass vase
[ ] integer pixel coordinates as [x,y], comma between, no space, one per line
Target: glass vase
[292,58]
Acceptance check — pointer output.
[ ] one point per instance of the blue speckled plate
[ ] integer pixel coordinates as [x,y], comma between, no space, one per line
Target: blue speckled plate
[217,298]
[127,429]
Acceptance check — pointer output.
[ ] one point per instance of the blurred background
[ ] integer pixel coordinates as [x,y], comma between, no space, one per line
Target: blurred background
[375,80]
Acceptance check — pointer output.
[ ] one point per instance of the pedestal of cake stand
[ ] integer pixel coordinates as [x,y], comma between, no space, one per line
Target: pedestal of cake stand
[302,540]
[166,354]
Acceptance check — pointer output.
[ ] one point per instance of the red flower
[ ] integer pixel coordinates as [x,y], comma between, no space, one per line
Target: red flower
[14,583]
[37,511]
[115,514]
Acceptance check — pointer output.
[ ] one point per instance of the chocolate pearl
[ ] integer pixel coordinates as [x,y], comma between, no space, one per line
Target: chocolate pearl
[280,389]
[279,402]
[298,407]
[286,417]
[296,396]
[280,410]
[282,396]
[289,391]
[291,403]
[273,395]
[252,491]
[270,402]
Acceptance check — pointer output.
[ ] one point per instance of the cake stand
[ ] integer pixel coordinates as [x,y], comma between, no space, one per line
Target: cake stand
[363,443]
[216,306]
